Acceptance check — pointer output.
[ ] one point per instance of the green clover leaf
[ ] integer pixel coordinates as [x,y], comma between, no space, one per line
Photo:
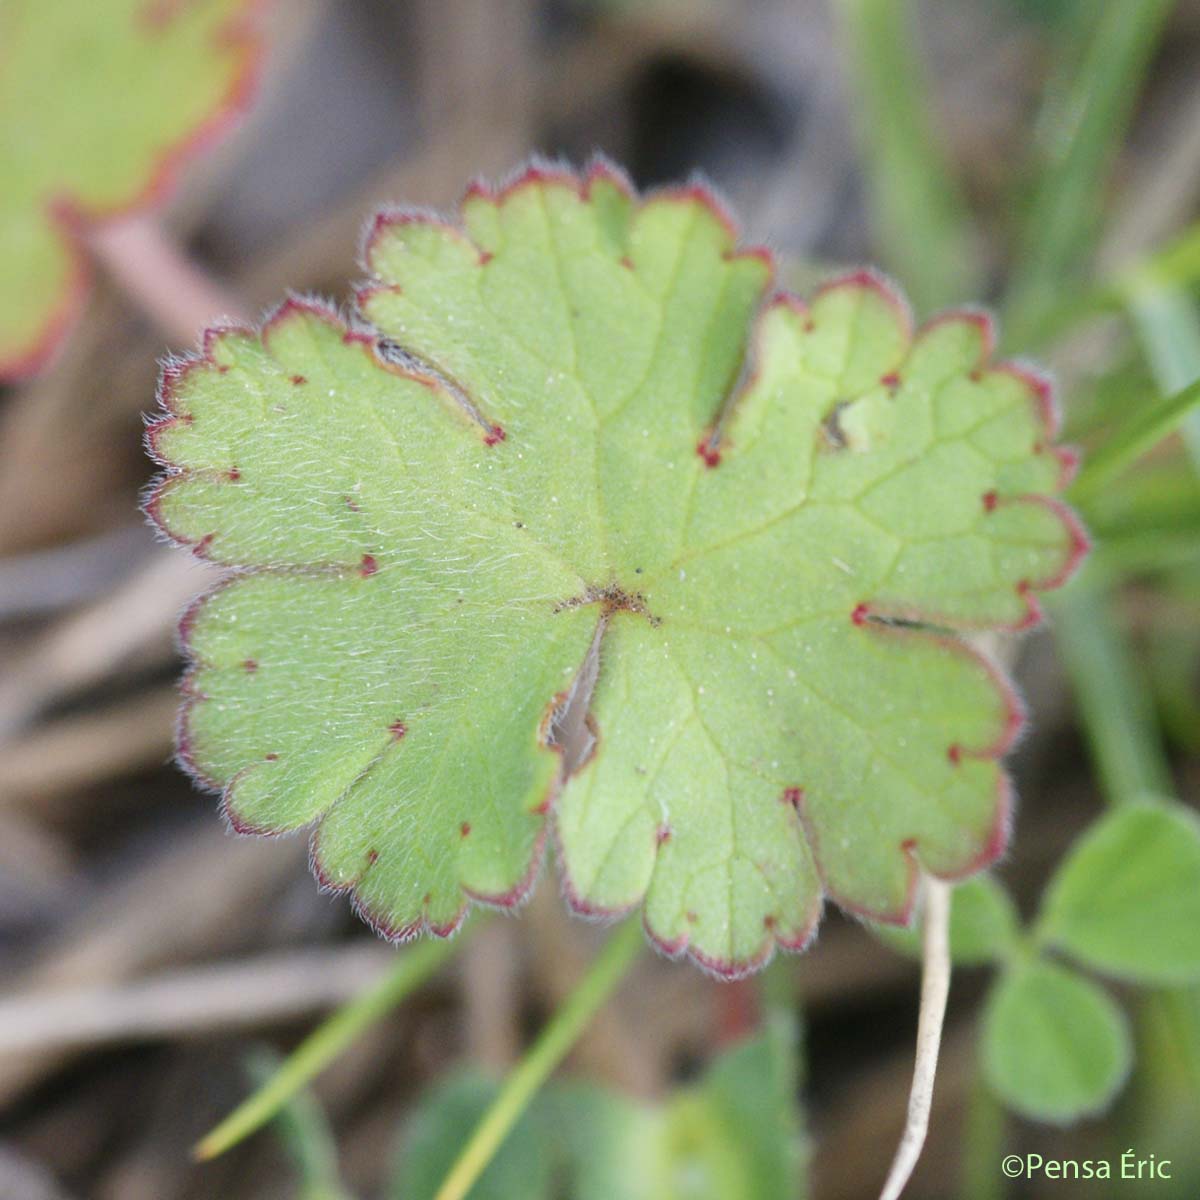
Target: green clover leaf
[103,101]
[1127,898]
[1055,1045]
[539,469]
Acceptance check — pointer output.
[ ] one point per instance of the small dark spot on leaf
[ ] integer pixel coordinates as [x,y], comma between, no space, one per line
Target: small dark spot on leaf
[494,435]
[662,835]
[954,754]
[831,427]
[397,729]
[465,829]
[352,504]
[372,856]
[691,916]
[860,614]
[271,757]
[891,381]
[250,664]
[990,500]
[299,379]
[793,796]
[368,566]
[708,451]
[233,474]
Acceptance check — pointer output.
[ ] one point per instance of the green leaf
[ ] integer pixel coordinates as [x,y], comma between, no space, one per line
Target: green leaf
[983,925]
[557,481]
[1127,898]
[1055,1046]
[609,1147]
[521,1167]
[749,1089]
[731,1136]
[103,101]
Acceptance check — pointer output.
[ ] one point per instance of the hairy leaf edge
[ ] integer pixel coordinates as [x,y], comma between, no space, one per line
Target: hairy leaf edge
[1042,395]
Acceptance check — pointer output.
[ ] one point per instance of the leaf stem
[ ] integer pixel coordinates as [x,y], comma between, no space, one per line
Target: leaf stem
[149,268]
[552,1045]
[935,987]
[326,1042]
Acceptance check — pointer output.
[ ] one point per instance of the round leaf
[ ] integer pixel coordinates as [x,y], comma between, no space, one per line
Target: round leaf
[103,100]
[1055,1046]
[536,471]
[1127,898]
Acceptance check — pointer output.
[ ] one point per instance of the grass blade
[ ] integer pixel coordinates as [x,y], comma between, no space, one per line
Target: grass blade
[1168,324]
[547,1052]
[326,1042]
[920,216]
[305,1134]
[1113,699]
[1083,123]
[1149,425]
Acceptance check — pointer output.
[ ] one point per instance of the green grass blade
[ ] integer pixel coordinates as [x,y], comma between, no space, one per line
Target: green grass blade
[305,1133]
[921,219]
[1083,123]
[547,1052]
[325,1043]
[1114,702]
[1149,425]
[1176,265]
[1168,323]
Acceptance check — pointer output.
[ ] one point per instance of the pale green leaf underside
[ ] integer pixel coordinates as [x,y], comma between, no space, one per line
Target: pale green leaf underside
[439,536]
[97,98]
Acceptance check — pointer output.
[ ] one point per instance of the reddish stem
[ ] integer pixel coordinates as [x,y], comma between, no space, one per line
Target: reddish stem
[154,273]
